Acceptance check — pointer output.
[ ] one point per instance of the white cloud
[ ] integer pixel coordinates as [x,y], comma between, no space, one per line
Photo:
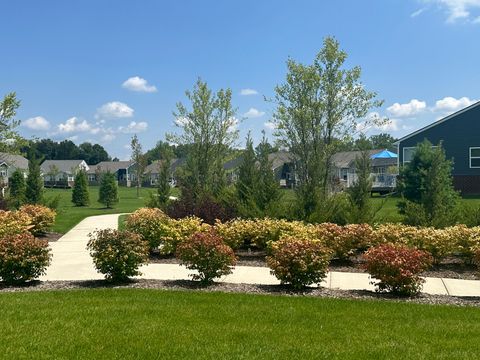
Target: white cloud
[246,92]
[114,110]
[368,123]
[74,124]
[417,13]
[407,110]
[139,84]
[133,127]
[73,138]
[37,123]
[234,122]
[458,9]
[270,125]
[108,138]
[450,104]
[253,113]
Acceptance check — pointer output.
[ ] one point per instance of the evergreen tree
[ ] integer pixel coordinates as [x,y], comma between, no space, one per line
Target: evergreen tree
[267,187]
[426,185]
[245,186]
[360,192]
[108,192]
[80,195]
[17,188]
[163,185]
[34,191]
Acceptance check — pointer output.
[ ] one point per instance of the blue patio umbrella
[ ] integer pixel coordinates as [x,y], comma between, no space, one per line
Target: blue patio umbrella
[384,154]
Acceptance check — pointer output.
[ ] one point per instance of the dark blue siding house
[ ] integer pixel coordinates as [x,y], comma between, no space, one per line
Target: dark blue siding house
[459,134]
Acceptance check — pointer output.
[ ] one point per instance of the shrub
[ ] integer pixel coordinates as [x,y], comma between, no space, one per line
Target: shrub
[80,195]
[23,258]
[397,267]
[13,222]
[117,254]
[206,253]
[181,230]
[150,223]
[42,218]
[17,188]
[108,191]
[299,262]
[235,233]
[345,240]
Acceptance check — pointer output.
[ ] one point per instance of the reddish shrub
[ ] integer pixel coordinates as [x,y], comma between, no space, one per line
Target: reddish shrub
[397,267]
[206,253]
[299,262]
[117,254]
[23,258]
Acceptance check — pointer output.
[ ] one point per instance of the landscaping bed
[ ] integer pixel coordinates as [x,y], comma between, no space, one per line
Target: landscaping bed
[450,268]
[188,285]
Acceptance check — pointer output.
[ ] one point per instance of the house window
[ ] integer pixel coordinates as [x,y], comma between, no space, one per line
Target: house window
[408,154]
[344,173]
[475,157]
[91,177]
[3,173]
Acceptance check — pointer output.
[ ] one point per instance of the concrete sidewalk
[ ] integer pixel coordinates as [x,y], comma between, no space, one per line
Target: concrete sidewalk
[71,261]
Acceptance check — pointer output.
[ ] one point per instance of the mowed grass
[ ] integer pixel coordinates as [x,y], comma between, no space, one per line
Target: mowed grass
[154,324]
[69,215]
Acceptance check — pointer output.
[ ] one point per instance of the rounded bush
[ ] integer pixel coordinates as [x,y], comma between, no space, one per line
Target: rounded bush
[42,217]
[149,223]
[13,222]
[206,253]
[23,258]
[299,262]
[117,254]
[397,267]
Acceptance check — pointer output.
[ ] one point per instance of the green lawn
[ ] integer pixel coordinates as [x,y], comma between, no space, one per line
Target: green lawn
[69,215]
[153,324]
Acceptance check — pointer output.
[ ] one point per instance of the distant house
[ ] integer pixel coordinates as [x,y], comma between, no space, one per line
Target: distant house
[61,173]
[459,134]
[124,172]
[9,163]
[152,172]
[383,164]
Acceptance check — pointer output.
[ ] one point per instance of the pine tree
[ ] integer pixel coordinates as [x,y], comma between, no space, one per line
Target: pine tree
[245,186]
[34,191]
[80,195]
[426,185]
[360,192]
[267,187]
[17,188]
[108,192]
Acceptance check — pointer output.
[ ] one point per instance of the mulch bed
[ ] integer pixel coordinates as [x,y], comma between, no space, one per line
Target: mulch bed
[51,236]
[451,268]
[186,285]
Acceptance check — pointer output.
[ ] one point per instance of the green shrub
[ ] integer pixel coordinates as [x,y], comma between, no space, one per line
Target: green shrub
[397,267]
[206,253]
[80,195]
[18,188]
[42,218]
[23,258]
[117,254]
[299,262]
[108,191]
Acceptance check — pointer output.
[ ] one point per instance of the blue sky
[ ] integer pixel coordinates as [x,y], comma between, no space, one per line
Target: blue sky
[102,70]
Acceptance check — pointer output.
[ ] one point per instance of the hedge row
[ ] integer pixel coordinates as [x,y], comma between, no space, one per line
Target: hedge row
[165,234]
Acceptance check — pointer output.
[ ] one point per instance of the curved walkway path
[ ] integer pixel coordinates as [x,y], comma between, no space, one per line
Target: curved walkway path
[71,261]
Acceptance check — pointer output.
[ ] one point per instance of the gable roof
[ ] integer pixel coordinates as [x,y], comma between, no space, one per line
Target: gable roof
[112,166]
[279,158]
[65,166]
[16,161]
[438,122]
[154,167]
[343,159]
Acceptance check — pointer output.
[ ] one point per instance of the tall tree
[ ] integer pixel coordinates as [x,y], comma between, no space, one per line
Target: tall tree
[208,127]
[17,188]
[163,185]
[108,191]
[317,108]
[246,184]
[10,140]
[80,194]
[139,159]
[34,192]
[267,187]
[426,185]
[360,191]
[382,141]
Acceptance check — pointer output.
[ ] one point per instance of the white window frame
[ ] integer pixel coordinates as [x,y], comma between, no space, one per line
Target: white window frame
[403,153]
[470,157]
